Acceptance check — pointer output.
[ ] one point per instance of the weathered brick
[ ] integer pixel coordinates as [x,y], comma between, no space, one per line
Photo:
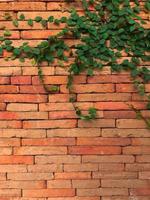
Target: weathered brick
[80,167]
[86,183]
[108,159]
[76,132]
[115,175]
[95,150]
[59,184]
[26,98]
[10,193]
[48,142]
[136,150]
[13,168]
[73,175]
[29,176]
[22,107]
[98,123]
[9,142]
[22,184]
[137,167]
[10,124]
[39,150]
[141,141]
[2,106]
[143,158]
[104,141]
[49,193]
[49,124]
[22,6]
[58,159]
[144,175]
[8,133]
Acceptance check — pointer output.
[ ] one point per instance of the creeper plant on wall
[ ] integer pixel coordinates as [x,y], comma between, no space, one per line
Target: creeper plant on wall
[106,29]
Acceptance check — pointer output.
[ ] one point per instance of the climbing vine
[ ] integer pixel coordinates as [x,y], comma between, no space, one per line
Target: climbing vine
[106,30]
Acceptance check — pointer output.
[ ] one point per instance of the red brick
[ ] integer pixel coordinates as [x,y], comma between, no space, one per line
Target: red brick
[23,98]
[5,151]
[13,168]
[48,142]
[130,123]
[141,141]
[95,150]
[36,168]
[50,124]
[10,193]
[80,167]
[144,175]
[10,142]
[16,159]
[111,167]
[115,175]
[73,175]
[21,80]
[143,158]
[104,141]
[49,193]
[62,115]
[125,88]
[58,98]
[59,184]
[14,35]
[86,183]
[138,167]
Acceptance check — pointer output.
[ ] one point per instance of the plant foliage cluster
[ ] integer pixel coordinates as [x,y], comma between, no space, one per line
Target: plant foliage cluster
[106,29]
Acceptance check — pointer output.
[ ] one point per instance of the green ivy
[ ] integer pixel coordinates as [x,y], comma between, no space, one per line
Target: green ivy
[107,30]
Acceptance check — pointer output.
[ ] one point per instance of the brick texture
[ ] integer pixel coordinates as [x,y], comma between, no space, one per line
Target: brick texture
[46,152]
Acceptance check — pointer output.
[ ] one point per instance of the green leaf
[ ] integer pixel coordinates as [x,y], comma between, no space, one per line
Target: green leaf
[38,18]
[22,17]
[15,23]
[7,33]
[16,51]
[30,22]
[51,19]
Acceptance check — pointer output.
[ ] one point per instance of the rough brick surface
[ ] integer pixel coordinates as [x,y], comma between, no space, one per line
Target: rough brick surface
[46,152]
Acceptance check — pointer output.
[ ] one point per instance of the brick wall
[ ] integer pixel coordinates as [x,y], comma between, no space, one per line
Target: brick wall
[46,153]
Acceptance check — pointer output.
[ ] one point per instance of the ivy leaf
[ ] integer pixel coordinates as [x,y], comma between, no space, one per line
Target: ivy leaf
[7,33]
[38,18]
[15,23]
[51,19]
[16,51]
[30,22]
[22,17]
[1,50]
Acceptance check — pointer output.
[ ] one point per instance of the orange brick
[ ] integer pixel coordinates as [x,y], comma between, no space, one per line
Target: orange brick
[39,150]
[2,106]
[76,132]
[48,142]
[58,98]
[86,183]
[144,175]
[55,106]
[13,168]
[36,168]
[37,34]
[73,175]
[23,6]
[29,176]
[136,150]
[22,107]
[104,141]
[59,184]
[8,133]
[125,88]
[10,142]
[9,70]
[138,167]
[143,158]
[21,80]
[2,176]
[115,175]
[14,34]
[125,184]
[49,193]
[95,150]
[80,167]
[83,88]
[5,151]
[108,159]
[27,98]
[141,141]
[30,89]
[9,89]
[22,184]
[130,123]
[10,193]
[58,159]
[119,114]
[97,123]
[140,191]
[10,124]
[109,79]
[104,97]
[4,80]
[112,167]
[50,124]
[62,115]
[16,159]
